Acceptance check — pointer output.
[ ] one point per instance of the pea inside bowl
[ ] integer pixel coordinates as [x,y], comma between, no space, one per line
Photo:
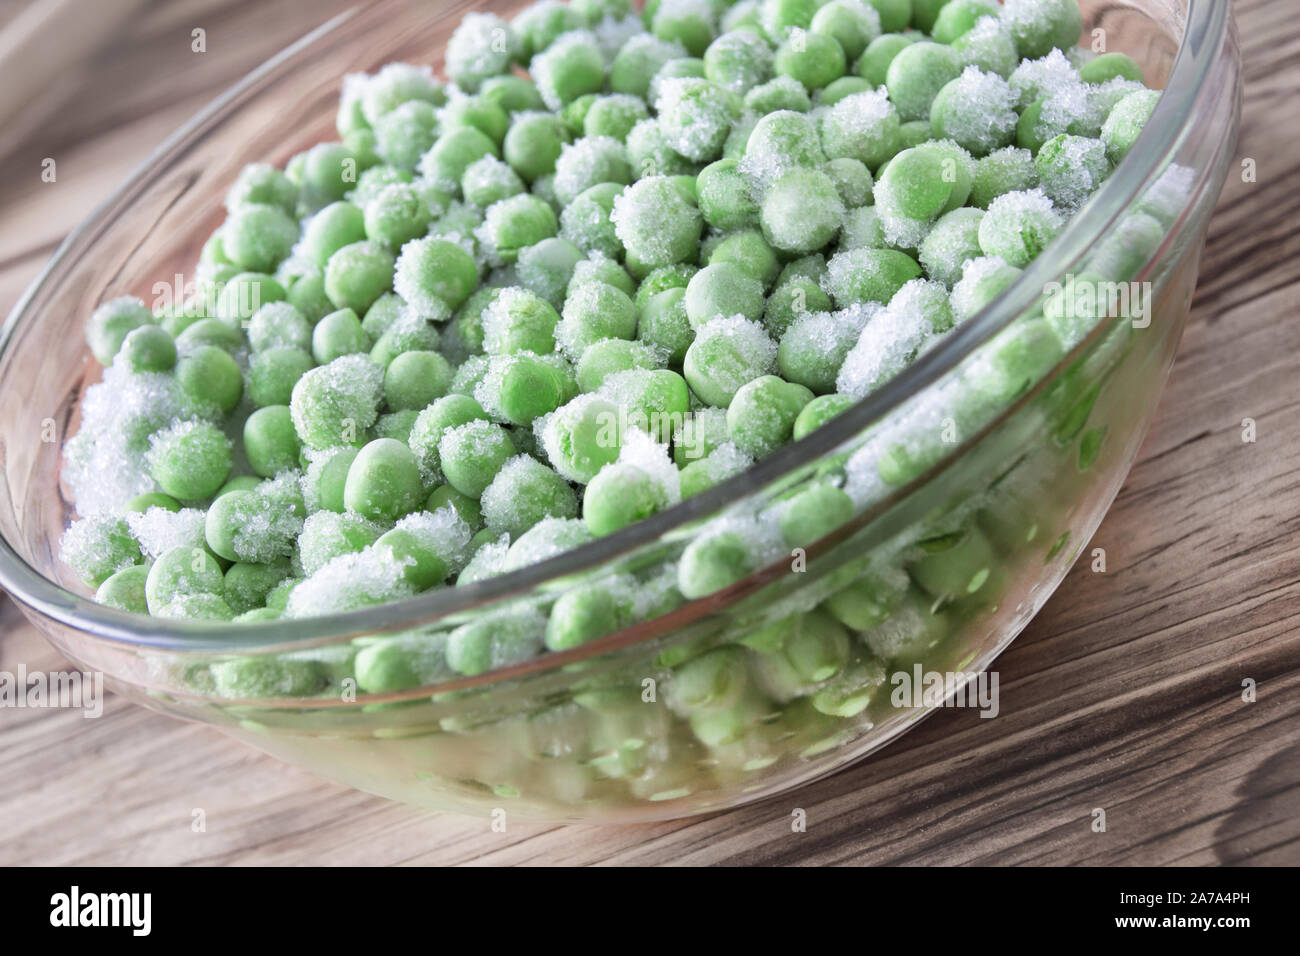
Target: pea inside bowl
[627,652]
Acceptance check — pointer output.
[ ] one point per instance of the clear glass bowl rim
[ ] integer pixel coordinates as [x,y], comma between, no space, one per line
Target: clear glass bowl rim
[1205,30]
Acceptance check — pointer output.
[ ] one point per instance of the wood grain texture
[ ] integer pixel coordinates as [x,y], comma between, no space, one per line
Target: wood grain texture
[1124,693]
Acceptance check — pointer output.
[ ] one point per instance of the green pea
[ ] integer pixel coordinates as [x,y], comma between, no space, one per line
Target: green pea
[722,289]
[471,454]
[190,460]
[802,211]
[326,477]
[272,374]
[515,223]
[148,349]
[336,334]
[873,64]
[523,493]
[958,17]
[818,412]
[1040,25]
[383,481]
[581,615]
[421,565]
[415,379]
[534,143]
[399,663]
[762,413]
[713,562]
[181,570]
[814,513]
[447,496]
[814,59]
[258,237]
[125,590]
[270,441]
[111,322]
[357,274]
[917,73]
[1125,121]
[246,585]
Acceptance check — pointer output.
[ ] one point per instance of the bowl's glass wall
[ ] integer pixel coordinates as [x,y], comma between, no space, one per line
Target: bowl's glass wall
[997,507]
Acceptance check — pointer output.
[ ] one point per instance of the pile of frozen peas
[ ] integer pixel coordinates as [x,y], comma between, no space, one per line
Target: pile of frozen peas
[503,316]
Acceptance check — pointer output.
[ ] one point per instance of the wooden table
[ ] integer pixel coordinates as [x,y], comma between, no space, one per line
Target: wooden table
[1124,693]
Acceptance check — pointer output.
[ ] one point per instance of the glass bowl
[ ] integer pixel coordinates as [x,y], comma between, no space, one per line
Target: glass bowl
[977,477]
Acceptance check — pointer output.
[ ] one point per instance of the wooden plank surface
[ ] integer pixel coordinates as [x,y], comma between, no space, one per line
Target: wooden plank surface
[1125,692]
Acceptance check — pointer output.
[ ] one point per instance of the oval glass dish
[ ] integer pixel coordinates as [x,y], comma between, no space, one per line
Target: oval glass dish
[976,483]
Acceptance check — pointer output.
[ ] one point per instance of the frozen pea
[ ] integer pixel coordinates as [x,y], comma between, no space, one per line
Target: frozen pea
[517,222]
[148,349]
[482,46]
[396,424]
[412,332]
[738,60]
[326,173]
[779,17]
[598,268]
[780,93]
[653,399]
[245,293]
[663,324]
[917,73]
[325,477]
[1018,226]
[589,162]
[663,278]
[956,571]
[586,220]
[780,141]
[722,289]
[151,499]
[327,535]
[976,110]
[471,454]
[337,225]
[747,250]
[639,59]
[538,25]
[383,481]
[852,23]
[988,46]
[522,387]
[873,64]
[415,379]
[592,312]
[569,68]
[273,373]
[695,117]
[1039,25]
[110,324]
[547,267]
[680,68]
[257,237]
[420,563]
[953,240]
[712,562]
[686,22]
[333,404]
[818,412]
[789,301]
[482,114]
[97,546]
[278,323]
[583,436]
[399,83]
[724,196]
[814,513]
[337,334]
[247,584]
[1015,359]
[494,640]
[446,496]
[802,211]
[514,94]
[762,413]
[398,214]
[270,442]
[1002,171]
[862,126]
[1125,122]
[727,353]
[608,356]
[263,183]
[619,495]
[399,663]
[178,571]
[266,677]
[1107,66]
[870,600]
[197,607]
[958,17]
[454,152]
[518,321]
[657,222]
[534,143]
[125,590]
[358,274]
[523,493]
[583,614]
[814,59]
[190,459]
[1070,168]
[862,230]
[433,275]
[868,275]
[852,181]
[614,115]
[650,155]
